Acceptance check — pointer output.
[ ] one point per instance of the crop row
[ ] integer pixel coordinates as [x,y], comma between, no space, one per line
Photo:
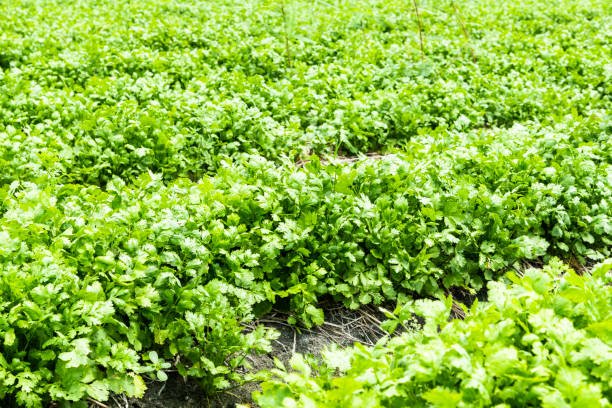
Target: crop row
[543,340]
[126,279]
[123,87]
[173,170]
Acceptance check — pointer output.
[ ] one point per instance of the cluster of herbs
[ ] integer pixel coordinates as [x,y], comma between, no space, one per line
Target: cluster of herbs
[172,171]
[89,92]
[175,268]
[544,340]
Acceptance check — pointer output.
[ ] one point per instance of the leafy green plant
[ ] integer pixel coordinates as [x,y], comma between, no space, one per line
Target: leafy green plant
[176,268]
[127,87]
[173,170]
[543,340]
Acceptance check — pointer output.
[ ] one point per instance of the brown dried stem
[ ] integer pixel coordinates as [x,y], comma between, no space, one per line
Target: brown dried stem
[286,33]
[466,34]
[420,24]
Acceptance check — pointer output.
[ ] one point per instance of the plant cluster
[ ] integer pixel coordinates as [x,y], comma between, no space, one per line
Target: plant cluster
[172,171]
[174,268]
[544,340]
[88,92]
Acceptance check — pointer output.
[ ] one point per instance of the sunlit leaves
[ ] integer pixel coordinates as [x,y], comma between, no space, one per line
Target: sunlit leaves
[171,171]
[514,351]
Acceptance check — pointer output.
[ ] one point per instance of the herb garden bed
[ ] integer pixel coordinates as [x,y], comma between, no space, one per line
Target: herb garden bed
[174,172]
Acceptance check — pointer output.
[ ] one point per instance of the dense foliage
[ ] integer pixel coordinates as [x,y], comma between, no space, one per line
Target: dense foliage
[543,341]
[172,170]
[91,91]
